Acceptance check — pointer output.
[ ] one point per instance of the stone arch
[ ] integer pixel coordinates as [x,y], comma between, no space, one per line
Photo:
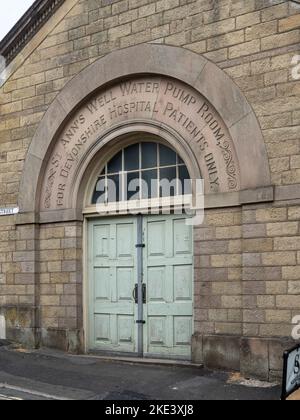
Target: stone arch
[151,60]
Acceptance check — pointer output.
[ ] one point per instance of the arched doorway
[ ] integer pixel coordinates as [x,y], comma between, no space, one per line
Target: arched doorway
[140,266]
[177,97]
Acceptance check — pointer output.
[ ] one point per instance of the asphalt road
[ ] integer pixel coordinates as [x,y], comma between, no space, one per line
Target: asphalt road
[56,376]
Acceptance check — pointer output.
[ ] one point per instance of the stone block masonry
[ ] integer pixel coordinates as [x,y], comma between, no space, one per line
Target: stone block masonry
[247,257]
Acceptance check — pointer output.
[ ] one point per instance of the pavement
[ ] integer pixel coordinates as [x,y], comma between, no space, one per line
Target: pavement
[49,375]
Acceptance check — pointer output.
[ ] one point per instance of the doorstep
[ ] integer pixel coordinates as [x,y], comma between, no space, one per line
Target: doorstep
[107,358]
[145,361]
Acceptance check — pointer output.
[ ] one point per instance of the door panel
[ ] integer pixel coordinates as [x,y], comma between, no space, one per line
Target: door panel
[157,331]
[101,245]
[182,331]
[112,279]
[156,284]
[126,329]
[124,284]
[168,273]
[183,241]
[125,240]
[102,329]
[156,239]
[183,286]
[102,284]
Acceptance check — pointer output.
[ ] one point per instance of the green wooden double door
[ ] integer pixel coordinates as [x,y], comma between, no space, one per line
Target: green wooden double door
[163,262]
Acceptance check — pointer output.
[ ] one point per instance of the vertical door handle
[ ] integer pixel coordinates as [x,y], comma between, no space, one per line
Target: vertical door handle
[135,294]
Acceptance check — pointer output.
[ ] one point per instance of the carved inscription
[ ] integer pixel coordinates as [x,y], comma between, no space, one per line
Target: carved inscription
[157,100]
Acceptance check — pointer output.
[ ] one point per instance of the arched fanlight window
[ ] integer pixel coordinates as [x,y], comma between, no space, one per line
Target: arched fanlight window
[142,171]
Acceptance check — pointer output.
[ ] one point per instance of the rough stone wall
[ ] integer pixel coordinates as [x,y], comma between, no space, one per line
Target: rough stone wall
[60,257]
[247,259]
[247,285]
[218,264]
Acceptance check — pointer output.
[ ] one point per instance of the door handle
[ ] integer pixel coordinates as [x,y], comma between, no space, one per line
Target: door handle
[135,294]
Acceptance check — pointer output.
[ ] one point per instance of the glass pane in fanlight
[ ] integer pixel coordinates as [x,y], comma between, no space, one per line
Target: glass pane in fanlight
[185,180]
[132,186]
[168,182]
[99,191]
[132,158]
[149,155]
[115,165]
[114,192]
[150,184]
[180,161]
[167,156]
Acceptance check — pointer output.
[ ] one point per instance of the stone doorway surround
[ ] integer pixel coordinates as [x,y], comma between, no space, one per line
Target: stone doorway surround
[248,151]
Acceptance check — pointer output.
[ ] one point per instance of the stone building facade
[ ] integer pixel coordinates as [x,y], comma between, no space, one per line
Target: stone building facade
[217,81]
